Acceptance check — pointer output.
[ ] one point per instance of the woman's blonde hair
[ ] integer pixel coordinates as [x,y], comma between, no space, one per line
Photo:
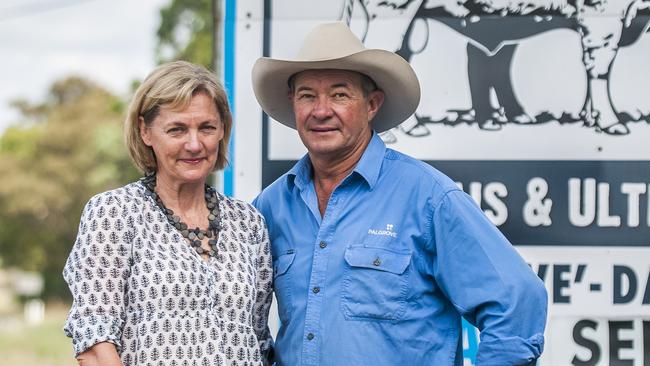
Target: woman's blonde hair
[173,85]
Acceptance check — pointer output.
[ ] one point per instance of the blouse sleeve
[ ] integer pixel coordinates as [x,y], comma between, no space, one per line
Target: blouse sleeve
[96,272]
[264,290]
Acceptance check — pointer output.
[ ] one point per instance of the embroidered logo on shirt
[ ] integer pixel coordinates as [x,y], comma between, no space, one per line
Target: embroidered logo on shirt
[387,232]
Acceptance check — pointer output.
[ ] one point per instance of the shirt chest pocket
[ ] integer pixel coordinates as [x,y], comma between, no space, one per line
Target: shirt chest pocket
[375,283]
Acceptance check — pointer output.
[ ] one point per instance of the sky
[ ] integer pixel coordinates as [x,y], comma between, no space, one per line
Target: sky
[111,42]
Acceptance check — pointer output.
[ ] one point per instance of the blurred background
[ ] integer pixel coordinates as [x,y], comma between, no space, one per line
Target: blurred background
[67,71]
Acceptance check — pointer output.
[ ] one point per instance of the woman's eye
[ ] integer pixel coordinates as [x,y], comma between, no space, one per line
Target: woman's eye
[175,130]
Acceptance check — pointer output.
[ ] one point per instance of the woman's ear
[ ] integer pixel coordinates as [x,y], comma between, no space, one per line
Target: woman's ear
[144,132]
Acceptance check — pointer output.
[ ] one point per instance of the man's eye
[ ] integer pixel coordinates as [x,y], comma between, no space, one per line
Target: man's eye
[340,95]
[305,96]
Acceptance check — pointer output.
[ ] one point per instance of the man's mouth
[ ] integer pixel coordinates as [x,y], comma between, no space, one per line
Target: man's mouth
[323,129]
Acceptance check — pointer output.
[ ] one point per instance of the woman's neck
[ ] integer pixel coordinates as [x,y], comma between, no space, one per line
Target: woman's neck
[187,200]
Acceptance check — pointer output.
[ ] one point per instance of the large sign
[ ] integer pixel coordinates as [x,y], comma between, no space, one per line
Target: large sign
[539,109]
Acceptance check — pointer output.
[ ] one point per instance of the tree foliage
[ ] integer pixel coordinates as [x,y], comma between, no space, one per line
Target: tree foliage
[68,149]
[185,32]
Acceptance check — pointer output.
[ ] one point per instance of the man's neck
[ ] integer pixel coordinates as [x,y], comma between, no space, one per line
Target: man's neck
[329,171]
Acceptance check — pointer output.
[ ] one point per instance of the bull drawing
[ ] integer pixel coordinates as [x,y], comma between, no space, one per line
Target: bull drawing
[494,28]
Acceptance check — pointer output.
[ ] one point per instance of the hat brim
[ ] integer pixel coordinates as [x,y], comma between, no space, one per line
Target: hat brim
[392,74]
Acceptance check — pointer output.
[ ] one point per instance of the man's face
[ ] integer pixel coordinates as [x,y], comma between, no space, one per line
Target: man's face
[332,113]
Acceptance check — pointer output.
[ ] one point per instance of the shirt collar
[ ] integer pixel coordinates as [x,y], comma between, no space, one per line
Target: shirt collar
[370,163]
[300,174]
[368,166]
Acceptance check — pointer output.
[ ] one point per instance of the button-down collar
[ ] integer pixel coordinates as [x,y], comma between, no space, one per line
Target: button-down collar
[368,166]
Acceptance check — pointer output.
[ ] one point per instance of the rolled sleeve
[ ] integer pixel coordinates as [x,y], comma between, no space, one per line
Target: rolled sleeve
[489,283]
[86,331]
[96,272]
[510,351]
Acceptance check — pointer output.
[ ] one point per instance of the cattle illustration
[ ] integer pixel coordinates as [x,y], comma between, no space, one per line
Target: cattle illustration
[494,29]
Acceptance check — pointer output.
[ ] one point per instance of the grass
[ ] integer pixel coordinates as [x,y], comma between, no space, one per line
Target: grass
[36,345]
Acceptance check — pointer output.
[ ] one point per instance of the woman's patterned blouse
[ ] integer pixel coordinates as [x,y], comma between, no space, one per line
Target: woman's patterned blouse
[137,283]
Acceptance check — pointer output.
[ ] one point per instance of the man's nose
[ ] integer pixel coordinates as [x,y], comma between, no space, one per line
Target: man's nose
[322,108]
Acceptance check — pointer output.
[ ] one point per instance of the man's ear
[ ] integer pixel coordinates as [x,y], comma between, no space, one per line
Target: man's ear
[144,132]
[375,101]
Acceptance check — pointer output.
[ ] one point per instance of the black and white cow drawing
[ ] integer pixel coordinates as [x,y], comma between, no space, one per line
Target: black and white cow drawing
[494,29]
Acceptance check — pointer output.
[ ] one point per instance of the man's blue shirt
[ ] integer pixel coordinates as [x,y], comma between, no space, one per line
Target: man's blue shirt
[383,278]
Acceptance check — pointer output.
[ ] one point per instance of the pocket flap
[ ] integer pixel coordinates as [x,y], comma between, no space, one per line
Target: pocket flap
[377,258]
[283,262]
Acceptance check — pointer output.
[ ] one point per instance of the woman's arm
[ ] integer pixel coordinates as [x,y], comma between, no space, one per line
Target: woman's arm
[264,290]
[97,271]
[101,354]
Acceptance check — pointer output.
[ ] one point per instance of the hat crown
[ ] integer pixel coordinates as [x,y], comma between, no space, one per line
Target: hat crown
[329,41]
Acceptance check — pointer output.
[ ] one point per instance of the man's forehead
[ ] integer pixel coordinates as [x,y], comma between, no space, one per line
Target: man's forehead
[328,76]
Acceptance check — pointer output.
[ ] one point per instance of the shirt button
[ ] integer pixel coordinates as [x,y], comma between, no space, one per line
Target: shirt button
[377,262]
[310,336]
[322,245]
[316,290]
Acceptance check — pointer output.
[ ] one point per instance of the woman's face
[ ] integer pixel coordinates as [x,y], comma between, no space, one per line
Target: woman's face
[185,142]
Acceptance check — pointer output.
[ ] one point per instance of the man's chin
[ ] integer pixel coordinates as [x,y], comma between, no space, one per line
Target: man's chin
[329,153]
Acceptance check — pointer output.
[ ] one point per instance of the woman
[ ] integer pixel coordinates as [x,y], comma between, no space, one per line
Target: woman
[166,271]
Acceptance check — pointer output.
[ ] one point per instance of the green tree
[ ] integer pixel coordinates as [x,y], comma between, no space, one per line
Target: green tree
[68,149]
[185,32]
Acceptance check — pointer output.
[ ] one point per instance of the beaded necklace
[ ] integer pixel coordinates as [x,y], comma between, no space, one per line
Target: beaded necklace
[193,236]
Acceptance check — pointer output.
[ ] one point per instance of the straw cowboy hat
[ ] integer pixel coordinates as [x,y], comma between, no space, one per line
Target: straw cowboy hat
[334,46]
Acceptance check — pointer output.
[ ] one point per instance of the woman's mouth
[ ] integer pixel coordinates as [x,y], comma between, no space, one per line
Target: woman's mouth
[192,161]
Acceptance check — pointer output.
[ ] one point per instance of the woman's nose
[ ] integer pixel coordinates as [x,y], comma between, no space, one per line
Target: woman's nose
[193,143]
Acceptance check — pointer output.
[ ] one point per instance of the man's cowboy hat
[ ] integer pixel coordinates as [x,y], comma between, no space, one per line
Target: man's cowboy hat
[334,46]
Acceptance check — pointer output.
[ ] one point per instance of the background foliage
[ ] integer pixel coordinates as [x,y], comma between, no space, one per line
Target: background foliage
[185,32]
[67,148]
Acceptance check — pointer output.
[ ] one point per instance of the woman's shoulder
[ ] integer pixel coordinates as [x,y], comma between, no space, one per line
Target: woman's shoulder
[128,195]
[239,207]
[242,216]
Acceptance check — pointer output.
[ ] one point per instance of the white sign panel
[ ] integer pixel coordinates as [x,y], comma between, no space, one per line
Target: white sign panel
[539,109]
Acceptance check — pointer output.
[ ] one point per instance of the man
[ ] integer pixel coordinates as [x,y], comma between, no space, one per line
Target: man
[376,255]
